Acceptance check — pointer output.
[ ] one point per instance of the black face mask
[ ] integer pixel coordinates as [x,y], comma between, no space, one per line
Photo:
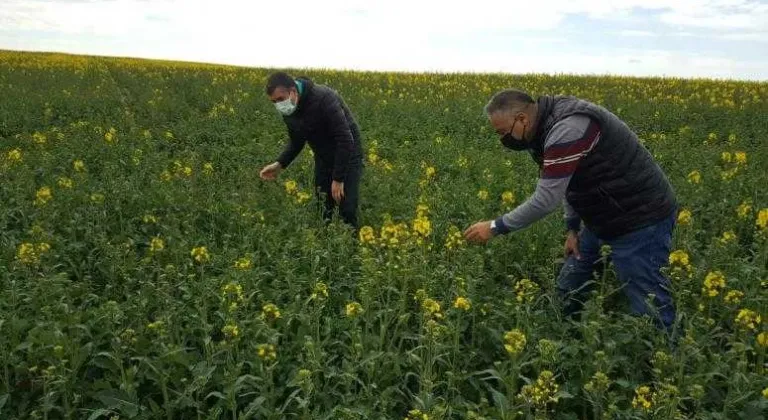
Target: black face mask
[510,142]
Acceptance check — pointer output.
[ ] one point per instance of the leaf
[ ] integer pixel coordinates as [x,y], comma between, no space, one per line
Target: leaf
[499,399]
[623,383]
[156,410]
[254,407]
[106,361]
[241,381]
[23,346]
[489,374]
[98,413]
[203,370]
[3,400]
[289,400]
[216,394]
[120,400]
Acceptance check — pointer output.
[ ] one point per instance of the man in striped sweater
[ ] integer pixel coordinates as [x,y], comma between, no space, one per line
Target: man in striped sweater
[592,163]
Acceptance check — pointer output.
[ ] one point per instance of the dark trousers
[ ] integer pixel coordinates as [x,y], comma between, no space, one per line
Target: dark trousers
[349,204]
[638,258]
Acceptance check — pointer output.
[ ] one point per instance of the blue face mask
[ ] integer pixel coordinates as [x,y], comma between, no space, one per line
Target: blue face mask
[511,142]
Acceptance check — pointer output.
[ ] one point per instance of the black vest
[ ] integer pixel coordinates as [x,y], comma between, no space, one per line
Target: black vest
[618,187]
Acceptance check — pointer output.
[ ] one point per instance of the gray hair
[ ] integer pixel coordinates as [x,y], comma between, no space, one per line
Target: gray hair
[508,100]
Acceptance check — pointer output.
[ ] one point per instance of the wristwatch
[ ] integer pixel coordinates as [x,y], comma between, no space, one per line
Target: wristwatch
[494,228]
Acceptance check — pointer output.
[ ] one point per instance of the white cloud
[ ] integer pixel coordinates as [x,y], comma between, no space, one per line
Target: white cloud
[719,14]
[375,34]
[396,17]
[748,36]
[636,33]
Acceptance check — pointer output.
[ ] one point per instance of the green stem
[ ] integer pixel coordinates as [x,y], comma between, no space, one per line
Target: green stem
[166,402]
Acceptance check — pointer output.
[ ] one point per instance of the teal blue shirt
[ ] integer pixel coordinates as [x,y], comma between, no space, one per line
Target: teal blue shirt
[300,86]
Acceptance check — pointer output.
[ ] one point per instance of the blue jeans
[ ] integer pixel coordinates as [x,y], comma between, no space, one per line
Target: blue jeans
[637,257]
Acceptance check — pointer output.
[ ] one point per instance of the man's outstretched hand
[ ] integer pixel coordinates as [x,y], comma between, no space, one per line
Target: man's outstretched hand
[271,171]
[479,233]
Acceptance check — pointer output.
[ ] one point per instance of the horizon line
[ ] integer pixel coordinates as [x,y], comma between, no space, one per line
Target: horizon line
[395,71]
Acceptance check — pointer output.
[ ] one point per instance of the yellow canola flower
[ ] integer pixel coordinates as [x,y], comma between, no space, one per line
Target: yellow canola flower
[643,398]
[302,197]
[422,226]
[740,158]
[291,187]
[762,339]
[270,312]
[685,217]
[679,258]
[110,136]
[762,219]
[598,384]
[266,352]
[728,237]
[416,415]
[29,253]
[462,303]
[353,309]
[744,210]
[14,155]
[200,254]
[231,331]
[243,263]
[156,245]
[232,290]
[367,235]
[526,291]
[455,238]
[734,296]
[431,308]
[65,182]
[39,138]
[320,291]
[748,319]
[714,282]
[514,341]
[541,392]
[43,196]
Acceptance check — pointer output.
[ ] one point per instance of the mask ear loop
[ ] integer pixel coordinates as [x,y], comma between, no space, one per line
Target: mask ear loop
[525,127]
[512,130]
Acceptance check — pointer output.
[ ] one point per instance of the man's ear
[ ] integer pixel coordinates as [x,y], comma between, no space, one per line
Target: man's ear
[523,118]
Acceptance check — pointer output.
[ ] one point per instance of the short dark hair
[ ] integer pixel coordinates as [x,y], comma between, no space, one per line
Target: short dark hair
[508,100]
[279,79]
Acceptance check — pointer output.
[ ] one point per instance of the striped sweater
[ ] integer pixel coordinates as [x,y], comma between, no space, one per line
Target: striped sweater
[568,141]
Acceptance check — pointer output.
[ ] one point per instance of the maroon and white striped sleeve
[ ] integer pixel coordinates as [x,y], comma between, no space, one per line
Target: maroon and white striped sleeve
[567,142]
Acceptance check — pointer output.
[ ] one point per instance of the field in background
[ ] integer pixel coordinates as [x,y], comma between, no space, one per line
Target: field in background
[146,271]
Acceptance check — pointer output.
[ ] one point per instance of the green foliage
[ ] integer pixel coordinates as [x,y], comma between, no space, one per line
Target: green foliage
[159,277]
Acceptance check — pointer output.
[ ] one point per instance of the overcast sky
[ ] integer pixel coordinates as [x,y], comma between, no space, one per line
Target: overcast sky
[688,38]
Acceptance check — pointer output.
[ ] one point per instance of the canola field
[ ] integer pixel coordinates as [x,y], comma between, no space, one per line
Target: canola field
[146,272]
